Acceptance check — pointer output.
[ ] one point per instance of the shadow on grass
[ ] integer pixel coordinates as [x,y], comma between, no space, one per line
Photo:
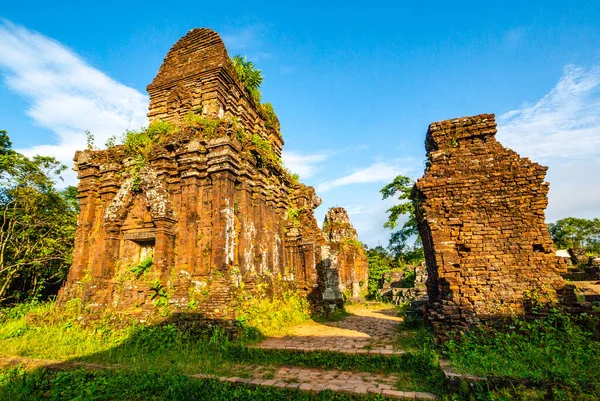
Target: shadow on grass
[181,345]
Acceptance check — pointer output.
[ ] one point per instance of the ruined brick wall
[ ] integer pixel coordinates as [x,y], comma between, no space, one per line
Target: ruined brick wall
[207,209]
[481,217]
[347,253]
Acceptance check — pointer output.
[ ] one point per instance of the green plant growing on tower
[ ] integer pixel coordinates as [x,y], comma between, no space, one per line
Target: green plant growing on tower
[142,267]
[249,76]
[271,117]
[159,297]
[293,215]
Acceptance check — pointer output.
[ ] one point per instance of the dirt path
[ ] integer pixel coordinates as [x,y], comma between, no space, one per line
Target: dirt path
[365,331]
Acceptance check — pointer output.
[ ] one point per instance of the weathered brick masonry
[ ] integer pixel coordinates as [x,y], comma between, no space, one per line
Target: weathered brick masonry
[348,255]
[213,216]
[481,217]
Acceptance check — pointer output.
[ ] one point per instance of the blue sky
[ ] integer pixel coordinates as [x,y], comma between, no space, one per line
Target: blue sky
[355,87]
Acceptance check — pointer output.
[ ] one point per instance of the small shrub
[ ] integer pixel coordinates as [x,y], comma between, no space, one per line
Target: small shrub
[208,126]
[273,316]
[267,154]
[160,296]
[352,243]
[293,215]
[271,117]
[142,267]
[141,143]
[248,74]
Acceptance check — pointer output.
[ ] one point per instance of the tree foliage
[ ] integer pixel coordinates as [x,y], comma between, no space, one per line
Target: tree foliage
[572,232]
[381,261]
[399,245]
[37,224]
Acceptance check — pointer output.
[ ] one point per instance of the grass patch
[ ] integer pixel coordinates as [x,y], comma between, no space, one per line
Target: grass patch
[19,385]
[56,333]
[556,353]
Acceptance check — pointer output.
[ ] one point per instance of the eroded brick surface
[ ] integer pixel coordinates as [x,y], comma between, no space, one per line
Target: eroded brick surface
[481,212]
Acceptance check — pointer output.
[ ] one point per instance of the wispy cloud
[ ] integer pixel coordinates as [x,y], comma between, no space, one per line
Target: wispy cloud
[377,172]
[305,166]
[562,131]
[244,38]
[65,94]
[247,41]
[563,124]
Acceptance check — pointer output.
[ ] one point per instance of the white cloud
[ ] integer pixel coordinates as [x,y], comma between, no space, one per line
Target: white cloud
[304,165]
[247,41]
[377,172]
[562,131]
[368,219]
[563,124]
[66,95]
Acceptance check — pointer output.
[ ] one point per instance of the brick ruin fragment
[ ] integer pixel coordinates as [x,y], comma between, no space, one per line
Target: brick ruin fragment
[480,209]
[392,286]
[213,216]
[348,255]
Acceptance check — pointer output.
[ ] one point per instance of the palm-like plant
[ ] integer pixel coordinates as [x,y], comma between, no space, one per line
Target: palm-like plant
[250,77]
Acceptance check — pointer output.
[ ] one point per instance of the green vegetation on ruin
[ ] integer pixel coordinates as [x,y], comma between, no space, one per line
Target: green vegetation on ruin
[349,243]
[140,144]
[293,216]
[142,267]
[249,76]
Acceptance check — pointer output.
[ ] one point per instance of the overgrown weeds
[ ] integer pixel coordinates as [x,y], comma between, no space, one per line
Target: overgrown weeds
[165,347]
[141,143]
[555,352]
[272,316]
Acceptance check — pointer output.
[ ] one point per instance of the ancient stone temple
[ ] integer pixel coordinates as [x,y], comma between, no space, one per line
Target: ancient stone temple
[204,214]
[480,209]
[347,253]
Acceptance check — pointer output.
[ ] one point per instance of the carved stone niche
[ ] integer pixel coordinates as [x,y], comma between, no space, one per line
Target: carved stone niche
[141,222]
[137,246]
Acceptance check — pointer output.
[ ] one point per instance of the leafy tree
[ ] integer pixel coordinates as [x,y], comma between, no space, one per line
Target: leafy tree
[381,261]
[37,224]
[399,241]
[572,232]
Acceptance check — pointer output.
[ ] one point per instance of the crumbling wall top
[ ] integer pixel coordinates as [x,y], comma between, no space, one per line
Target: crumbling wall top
[337,226]
[202,49]
[448,133]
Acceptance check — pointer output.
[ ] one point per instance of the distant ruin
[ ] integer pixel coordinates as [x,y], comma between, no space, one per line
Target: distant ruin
[348,254]
[209,214]
[480,209]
